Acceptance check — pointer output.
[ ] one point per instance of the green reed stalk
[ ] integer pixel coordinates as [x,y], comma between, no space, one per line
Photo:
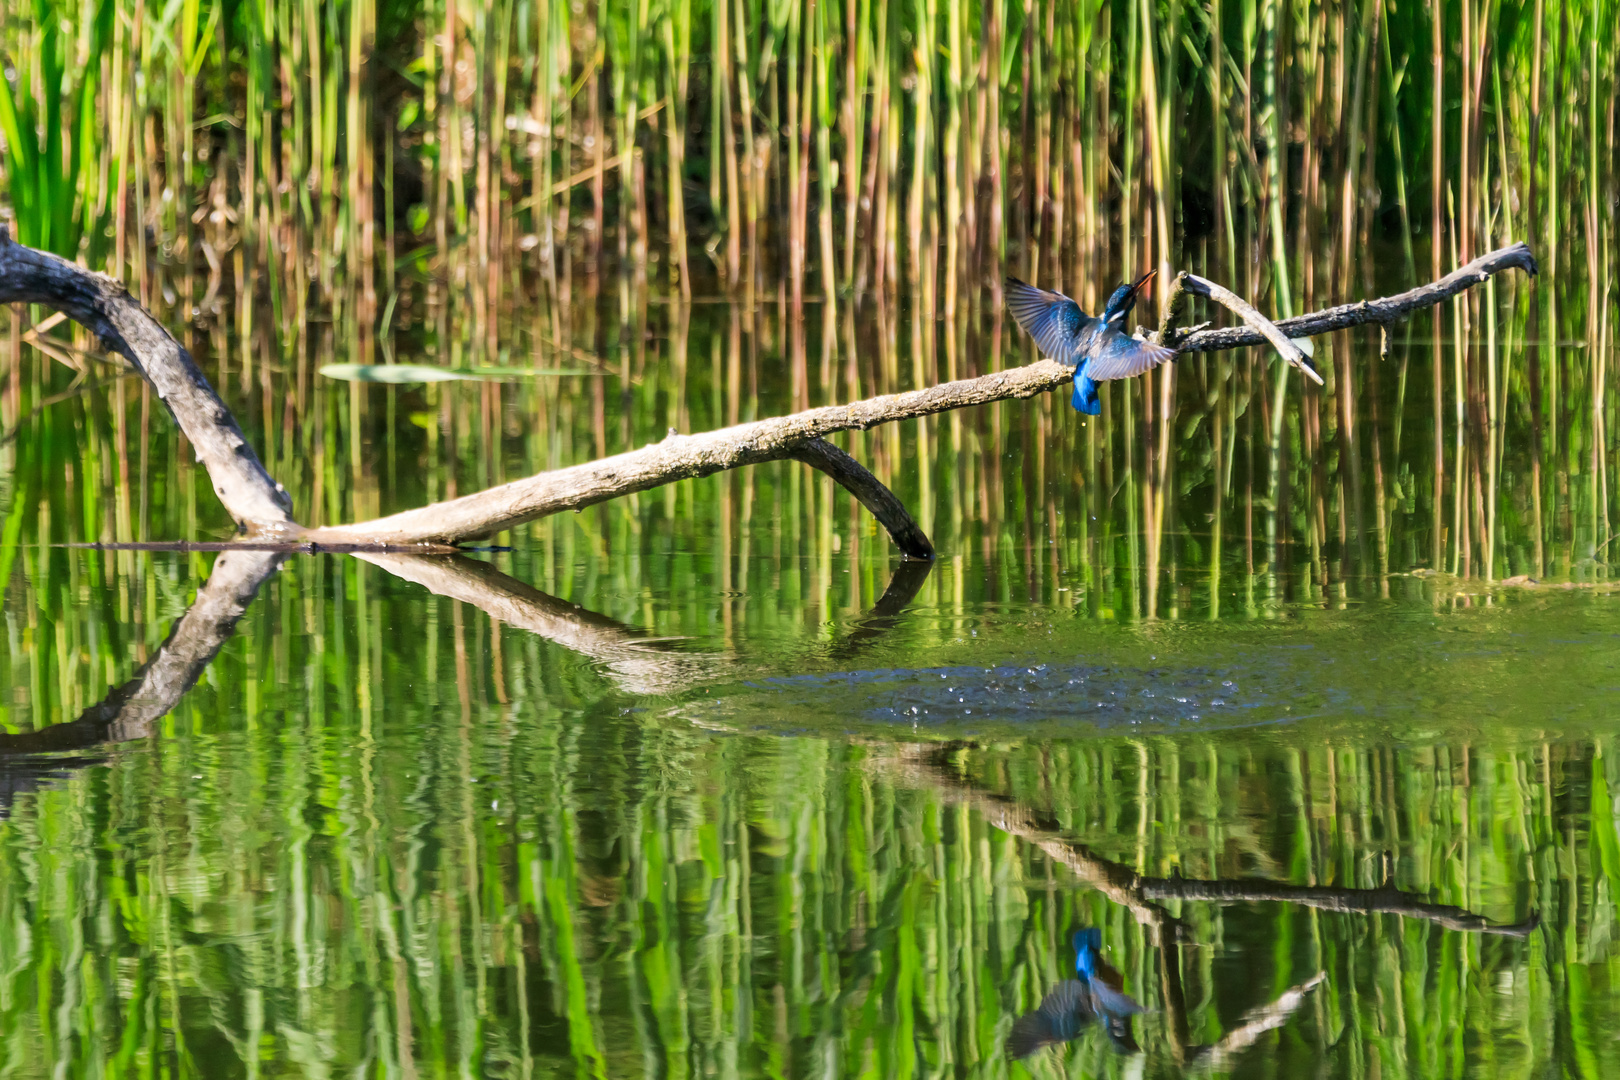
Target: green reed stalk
[677,42]
[1436,183]
[921,150]
[51,82]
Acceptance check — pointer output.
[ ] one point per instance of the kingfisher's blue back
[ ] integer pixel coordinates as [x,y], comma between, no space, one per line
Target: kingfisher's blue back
[1093,994]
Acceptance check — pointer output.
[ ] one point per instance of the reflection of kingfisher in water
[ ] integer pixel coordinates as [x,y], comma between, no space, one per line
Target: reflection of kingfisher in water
[1095,993]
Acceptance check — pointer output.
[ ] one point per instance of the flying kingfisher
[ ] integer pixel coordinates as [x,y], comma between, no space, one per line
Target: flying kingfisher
[1096,993]
[1099,348]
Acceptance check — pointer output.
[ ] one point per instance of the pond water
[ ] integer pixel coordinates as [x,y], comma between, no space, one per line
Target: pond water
[709,783]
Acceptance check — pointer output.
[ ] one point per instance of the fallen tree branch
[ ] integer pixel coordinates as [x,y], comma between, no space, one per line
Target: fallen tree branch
[684,457]
[873,494]
[261,508]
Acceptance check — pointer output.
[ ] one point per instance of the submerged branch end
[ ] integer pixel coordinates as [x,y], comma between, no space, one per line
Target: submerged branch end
[872,493]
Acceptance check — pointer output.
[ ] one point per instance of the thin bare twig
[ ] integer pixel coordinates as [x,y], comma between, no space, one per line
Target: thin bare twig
[1261,325]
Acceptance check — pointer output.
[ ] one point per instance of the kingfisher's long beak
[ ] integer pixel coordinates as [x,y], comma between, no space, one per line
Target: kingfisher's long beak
[1143,282]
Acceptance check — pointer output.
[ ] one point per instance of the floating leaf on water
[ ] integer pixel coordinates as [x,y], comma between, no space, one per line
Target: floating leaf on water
[425,373]
[389,373]
[516,372]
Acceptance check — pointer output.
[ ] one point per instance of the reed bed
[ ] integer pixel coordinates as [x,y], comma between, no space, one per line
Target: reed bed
[292,184]
[846,149]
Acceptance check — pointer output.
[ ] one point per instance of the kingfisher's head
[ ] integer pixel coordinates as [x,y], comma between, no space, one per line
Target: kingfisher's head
[1124,299]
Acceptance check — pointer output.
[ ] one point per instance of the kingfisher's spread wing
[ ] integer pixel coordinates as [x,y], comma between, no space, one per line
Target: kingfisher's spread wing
[1051,318]
[1111,1000]
[1121,356]
[1063,1014]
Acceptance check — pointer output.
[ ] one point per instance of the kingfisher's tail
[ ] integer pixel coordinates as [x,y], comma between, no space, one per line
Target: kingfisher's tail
[1085,399]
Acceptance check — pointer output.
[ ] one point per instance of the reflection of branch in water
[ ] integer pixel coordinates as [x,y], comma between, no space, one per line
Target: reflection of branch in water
[885,613]
[1138,892]
[32,772]
[637,663]
[1385,900]
[1218,1057]
[130,710]
[1113,880]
